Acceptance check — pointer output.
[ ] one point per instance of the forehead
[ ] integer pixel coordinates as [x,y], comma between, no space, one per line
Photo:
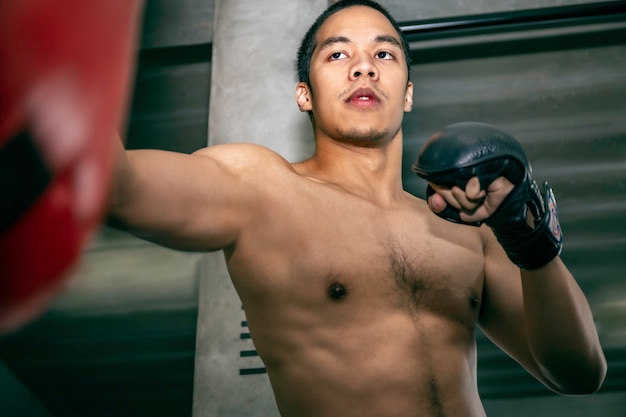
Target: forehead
[361,21]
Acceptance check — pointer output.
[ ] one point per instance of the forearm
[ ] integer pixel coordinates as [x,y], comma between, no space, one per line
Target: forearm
[121,182]
[560,329]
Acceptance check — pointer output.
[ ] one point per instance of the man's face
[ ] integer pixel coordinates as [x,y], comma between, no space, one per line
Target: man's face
[358,79]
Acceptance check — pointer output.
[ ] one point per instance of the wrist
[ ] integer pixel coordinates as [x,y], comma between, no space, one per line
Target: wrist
[527,226]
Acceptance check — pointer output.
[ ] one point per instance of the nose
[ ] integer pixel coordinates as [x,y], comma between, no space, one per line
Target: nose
[364,66]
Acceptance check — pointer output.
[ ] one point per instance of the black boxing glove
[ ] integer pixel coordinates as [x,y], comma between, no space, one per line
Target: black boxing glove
[465,150]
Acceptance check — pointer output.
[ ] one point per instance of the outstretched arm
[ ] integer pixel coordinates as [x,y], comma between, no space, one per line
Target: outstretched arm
[189,202]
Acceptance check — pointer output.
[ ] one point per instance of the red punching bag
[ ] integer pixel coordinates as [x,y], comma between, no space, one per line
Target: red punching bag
[65,71]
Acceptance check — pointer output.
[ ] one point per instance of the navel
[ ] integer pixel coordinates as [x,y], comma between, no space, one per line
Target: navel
[337,291]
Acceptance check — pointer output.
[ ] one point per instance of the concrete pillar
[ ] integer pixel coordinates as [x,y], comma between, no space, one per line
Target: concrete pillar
[252,100]
[254,76]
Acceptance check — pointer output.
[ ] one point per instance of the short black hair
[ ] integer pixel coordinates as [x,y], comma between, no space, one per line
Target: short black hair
[307,46]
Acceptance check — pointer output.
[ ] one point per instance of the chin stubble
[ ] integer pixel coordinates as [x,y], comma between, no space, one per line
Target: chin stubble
[365,138]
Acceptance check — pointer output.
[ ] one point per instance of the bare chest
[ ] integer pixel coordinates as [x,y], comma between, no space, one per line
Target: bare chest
[344,262]
[399,270]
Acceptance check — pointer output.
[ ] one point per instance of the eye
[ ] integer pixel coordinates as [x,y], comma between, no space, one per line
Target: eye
[384,55]
[337,55]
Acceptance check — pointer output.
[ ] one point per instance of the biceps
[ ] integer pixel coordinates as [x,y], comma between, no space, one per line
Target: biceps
[179,201]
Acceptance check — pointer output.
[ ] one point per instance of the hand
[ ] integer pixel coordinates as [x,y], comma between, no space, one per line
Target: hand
[474,204]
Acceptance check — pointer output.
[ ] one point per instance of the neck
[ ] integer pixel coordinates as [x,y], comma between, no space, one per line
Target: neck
[374,173]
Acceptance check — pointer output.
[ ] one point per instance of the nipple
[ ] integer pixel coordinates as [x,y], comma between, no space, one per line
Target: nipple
[337,291]
[474,301]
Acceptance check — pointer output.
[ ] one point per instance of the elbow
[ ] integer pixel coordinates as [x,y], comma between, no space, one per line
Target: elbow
[593,382]
[581,388]
[584,380]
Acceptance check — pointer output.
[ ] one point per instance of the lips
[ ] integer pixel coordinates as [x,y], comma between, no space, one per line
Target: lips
[363,97]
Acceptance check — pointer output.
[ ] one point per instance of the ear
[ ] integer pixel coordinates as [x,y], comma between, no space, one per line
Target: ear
[303,97]
[408,97]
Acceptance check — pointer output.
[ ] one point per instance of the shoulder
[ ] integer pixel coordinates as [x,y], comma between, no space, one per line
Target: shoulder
[245,158]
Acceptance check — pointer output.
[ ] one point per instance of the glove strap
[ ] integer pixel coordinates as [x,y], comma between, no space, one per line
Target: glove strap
[527,247]
[23,178]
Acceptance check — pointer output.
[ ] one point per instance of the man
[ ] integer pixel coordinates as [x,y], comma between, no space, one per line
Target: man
[361,301]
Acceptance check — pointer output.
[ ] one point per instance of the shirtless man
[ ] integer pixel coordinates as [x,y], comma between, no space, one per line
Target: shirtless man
[360,301]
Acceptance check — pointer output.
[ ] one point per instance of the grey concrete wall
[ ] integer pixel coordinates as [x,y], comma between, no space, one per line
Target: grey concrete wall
[219,387]
[254,79]
[252,100]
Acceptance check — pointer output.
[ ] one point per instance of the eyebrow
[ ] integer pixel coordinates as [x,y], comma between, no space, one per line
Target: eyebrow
[332,41]
[342,39]
[388,39]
